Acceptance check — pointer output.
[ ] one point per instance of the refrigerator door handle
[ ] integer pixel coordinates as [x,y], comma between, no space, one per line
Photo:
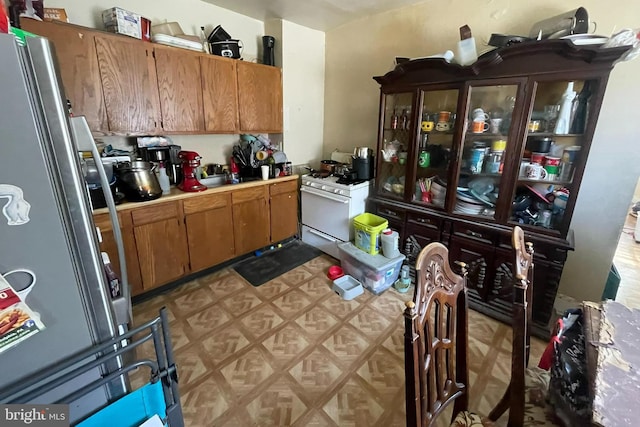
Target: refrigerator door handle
[82,135]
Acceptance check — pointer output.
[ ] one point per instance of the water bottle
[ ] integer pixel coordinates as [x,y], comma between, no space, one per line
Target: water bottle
[564,117]
[405,278]
[163,179]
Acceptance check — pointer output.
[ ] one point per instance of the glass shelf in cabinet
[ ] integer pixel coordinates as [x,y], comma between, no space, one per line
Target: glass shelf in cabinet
[552,135]
[544,181]
[470,136]
[483,174]
[396,129]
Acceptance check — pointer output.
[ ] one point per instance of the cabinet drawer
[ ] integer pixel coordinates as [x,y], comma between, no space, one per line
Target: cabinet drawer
[476,233]
[154,213]
[203,203]
[390,214]
[248,194]
[104,222]
[423,220]
[283,187]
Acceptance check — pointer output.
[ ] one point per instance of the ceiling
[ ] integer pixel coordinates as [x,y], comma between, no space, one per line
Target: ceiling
[321,15]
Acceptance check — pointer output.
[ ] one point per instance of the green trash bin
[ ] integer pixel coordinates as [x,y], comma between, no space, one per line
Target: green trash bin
[613,282]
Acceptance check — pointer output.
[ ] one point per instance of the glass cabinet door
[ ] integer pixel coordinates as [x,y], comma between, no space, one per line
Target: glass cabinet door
[397,134]
[553,152]
[486,143]
[434,146]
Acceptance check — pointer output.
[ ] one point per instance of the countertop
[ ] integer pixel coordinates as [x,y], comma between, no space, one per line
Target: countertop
[177,194]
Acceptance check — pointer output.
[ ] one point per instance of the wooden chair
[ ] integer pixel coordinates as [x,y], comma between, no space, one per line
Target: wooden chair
[435,340]
[526,393]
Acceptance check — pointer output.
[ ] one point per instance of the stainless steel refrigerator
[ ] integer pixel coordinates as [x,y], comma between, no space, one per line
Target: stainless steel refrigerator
[49,250]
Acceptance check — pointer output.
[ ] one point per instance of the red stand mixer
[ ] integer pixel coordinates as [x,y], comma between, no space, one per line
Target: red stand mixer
[190,163]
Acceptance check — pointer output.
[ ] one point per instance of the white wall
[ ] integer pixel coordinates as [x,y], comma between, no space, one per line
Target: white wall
[362,49]
[303,86]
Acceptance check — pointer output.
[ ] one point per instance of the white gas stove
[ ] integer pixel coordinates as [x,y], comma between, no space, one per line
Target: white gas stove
[328,209]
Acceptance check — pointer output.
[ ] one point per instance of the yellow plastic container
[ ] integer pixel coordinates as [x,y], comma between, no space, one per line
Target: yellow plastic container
[368,228]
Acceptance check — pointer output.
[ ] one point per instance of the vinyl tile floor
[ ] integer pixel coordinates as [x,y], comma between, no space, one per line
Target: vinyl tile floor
[627,260]
[292,353]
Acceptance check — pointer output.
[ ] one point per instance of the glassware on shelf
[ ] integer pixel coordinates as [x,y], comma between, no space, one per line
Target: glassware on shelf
[394,120]
[550,116]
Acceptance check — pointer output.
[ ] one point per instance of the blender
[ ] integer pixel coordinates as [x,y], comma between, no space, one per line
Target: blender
[190,164]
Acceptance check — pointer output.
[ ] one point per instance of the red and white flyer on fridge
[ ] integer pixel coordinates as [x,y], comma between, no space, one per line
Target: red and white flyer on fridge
[17,321]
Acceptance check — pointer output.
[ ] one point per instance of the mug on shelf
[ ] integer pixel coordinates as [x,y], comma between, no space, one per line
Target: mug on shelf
[478,114]
[444,116]
[479,126]
[535,171]
[427,125]
[443,126]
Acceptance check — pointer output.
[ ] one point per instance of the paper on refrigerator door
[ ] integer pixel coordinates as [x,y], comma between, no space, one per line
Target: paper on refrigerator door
[17,321]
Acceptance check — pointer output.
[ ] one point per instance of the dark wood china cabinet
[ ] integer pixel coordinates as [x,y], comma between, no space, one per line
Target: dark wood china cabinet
[466,153]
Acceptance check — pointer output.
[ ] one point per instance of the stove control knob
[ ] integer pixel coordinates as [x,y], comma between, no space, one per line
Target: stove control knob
[324,187]
[337,191]
[344,193]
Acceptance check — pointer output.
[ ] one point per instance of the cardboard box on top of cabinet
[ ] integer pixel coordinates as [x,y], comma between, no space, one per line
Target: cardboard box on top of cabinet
[120,21]
[55,14]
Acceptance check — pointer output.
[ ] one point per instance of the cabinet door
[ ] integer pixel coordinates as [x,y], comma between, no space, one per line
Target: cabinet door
[479,259]
[129,84]
[284,216]
[558,136]
[220,94]
[487,142]
[210,234]
[108,245]
[180,90]
[76,54]
[162,250]
[250,220]
[259,97]
[396,140]
[434,150]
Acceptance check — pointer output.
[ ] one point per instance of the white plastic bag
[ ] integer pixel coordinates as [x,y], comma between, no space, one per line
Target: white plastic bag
[626,37]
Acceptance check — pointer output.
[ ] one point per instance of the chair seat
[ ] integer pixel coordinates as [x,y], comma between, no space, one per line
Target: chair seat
[469,419]
[537,412]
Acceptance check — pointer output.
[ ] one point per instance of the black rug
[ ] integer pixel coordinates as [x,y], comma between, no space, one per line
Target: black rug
[271,264]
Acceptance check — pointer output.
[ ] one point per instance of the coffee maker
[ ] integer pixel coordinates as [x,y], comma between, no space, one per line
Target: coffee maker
[168,155]
[190,164]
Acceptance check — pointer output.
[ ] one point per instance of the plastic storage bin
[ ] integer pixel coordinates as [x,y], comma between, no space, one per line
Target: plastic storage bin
[367,232]
[375,272]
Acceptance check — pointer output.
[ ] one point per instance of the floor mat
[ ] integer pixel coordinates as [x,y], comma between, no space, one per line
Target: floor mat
[269,265]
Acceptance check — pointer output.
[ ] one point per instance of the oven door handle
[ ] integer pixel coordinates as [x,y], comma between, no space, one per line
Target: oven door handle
[322,235]
[325,195]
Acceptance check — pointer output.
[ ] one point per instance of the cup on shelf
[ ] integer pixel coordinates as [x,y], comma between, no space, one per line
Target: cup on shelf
[479,126]
[402,157]
[444,116]
[427,125]
[538,158]
[494,125]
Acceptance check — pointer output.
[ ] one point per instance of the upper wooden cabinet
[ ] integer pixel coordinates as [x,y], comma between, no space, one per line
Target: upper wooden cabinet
[179,86]
[76,53]
[220,94]
[129,84]
[126,86]
[259,97]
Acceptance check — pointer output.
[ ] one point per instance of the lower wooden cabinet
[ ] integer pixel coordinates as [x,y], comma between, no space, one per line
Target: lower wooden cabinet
[168,240]
[209,230]
[161,242]
[251,224]
[283,210]
[487,252]
[108,245]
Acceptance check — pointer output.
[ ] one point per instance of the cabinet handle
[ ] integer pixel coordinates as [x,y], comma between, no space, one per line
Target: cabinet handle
[390,213]
[474,234]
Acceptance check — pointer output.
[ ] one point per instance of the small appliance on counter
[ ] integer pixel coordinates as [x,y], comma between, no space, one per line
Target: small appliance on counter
[190,164]
[138,181]
[168,155]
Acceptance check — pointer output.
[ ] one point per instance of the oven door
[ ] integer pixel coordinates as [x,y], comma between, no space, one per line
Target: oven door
[326,212]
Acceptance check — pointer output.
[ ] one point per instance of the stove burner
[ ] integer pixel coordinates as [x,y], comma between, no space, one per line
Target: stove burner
[347,181]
